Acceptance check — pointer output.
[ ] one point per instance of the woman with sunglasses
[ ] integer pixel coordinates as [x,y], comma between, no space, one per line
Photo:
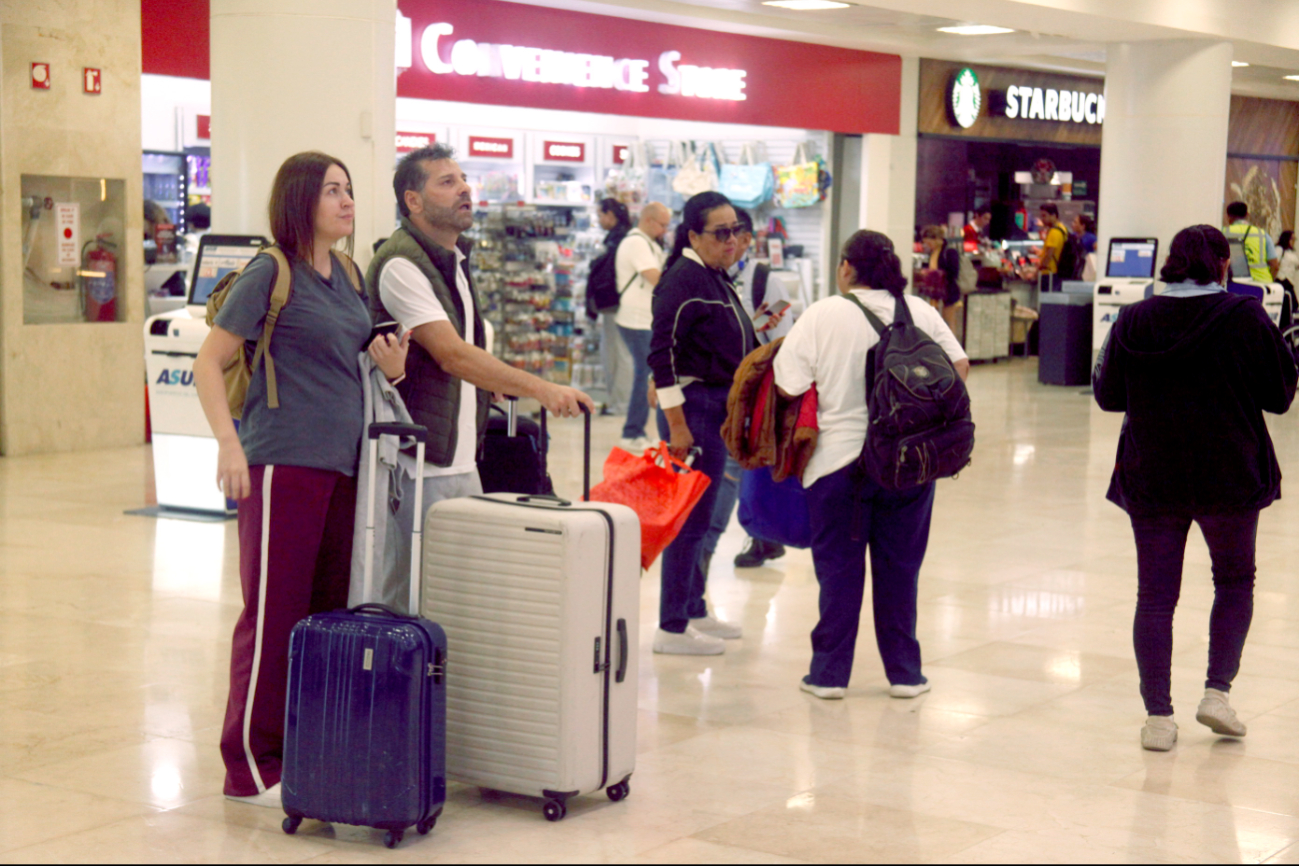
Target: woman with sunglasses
[700,335]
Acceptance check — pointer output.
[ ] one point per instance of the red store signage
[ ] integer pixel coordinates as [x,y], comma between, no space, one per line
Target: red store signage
[408,141]
[619,154]
[497,53]
[563,151]
[494,148]
[203,127]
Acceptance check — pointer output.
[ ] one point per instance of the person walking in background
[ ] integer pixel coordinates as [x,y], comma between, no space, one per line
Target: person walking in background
[701,333]
[639,265]
[937,279]
[1260,252]
[422,280]
[850,512]
[293,467]
[1287,270]
[1054,237]
[618,365]
[1194,369]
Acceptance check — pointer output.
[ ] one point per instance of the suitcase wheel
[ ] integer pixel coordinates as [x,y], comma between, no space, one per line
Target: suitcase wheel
[290,824]
[554,810]
[619,791]
[423,827]
[393,838]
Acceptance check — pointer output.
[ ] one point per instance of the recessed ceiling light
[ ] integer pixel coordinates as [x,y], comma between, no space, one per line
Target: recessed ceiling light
[975,30]
[1292,78]
[1238,63]
[806,5]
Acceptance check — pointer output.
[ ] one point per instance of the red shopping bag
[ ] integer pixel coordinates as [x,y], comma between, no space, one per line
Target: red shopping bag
[658,487]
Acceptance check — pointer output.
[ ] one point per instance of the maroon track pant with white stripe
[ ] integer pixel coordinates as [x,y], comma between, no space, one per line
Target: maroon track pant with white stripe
[295,559]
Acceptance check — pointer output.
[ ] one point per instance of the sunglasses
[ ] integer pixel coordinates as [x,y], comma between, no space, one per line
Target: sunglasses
[725,233]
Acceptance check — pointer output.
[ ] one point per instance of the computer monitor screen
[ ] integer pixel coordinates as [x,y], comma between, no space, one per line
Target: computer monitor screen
[218,255]
[1132,257]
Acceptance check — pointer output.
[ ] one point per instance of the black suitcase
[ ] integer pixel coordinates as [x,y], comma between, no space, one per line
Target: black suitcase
[514,454]
[365,728]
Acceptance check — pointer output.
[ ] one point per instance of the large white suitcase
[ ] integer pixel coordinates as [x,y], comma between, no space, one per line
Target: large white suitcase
[539,598]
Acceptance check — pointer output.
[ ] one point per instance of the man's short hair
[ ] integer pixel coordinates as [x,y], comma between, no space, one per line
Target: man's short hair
[1238,210]
[980,211]
[1047,207]
[412,174]
[745,220]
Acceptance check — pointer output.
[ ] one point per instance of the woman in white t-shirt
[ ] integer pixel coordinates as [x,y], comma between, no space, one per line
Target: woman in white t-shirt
[850,513]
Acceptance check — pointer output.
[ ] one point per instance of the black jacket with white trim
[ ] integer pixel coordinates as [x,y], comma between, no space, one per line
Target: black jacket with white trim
[701,332]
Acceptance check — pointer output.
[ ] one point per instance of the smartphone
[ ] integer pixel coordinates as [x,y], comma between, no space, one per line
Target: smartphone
[383,328]
[764,312]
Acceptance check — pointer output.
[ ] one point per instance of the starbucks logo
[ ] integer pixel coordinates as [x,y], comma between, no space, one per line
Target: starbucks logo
[965,97]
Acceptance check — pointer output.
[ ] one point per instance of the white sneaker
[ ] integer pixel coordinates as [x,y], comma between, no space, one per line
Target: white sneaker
[634,446]
[692,643]
[897,691]
[825,693]
[1218,715]
[1159,734]
[270,798]
[711,625]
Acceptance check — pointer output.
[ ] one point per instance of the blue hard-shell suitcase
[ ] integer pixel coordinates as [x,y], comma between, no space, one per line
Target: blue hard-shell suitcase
[365,724]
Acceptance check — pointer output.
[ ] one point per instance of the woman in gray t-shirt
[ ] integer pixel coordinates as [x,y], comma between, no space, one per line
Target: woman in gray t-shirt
[292,467]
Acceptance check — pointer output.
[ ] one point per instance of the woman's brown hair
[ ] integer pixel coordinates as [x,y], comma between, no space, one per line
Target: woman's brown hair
[935,233]
[295,195]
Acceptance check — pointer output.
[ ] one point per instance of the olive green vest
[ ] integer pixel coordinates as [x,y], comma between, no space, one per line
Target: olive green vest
[432,395]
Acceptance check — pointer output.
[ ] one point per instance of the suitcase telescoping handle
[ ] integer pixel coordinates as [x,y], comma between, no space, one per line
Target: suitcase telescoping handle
[512,422]
[420,434]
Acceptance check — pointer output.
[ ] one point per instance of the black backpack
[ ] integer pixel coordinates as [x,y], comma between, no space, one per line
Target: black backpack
[1073,258]
[602,283]
[920,427]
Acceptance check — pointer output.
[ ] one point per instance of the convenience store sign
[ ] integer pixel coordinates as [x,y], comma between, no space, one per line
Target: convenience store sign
[499,53]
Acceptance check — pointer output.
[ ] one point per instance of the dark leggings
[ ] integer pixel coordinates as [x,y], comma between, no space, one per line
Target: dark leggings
[1161,549]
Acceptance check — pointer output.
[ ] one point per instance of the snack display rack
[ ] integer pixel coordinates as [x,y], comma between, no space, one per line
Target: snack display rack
[530,264]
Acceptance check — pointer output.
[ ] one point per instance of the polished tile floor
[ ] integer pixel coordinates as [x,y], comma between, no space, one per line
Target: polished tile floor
[114,634]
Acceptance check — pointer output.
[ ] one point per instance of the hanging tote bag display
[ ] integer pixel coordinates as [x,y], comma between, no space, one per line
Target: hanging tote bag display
[798,185]
[631,181]
[658,180]
[658,487]
[749,184]
[775,511]
[697,174]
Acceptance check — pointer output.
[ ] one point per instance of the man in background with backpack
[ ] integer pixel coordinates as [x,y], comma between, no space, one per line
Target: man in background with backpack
[421,279]
[638,264]
[1054,238]
[1260,252]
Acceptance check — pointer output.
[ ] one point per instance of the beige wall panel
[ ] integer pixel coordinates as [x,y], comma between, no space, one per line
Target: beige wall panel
[73,386]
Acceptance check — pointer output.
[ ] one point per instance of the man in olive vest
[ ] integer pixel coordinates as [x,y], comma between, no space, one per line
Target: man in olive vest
[1260,252]
[420,278]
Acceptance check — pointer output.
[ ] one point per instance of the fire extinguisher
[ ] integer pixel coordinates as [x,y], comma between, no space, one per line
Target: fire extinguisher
[99,280]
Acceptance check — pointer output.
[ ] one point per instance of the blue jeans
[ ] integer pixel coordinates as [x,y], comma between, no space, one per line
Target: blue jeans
[683,578]
[895,528]
[638,344]
[727,492]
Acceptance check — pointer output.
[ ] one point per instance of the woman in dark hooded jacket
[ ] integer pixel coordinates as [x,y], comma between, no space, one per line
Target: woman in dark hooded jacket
[1194,368]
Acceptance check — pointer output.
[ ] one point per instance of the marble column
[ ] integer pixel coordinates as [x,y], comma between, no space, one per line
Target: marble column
[888,171]
[67,384]
[295,75]
[1164,142]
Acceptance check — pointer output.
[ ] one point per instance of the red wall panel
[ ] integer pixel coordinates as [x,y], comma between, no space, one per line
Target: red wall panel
[174,38]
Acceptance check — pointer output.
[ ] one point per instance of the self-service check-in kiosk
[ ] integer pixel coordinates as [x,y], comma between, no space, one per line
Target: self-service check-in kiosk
[1129,278]
[1272,295]
[184,450]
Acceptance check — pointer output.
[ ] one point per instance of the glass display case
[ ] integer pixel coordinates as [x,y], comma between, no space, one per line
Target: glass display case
[73,234]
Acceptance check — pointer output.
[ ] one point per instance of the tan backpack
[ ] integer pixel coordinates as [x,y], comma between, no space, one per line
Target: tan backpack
[240,369]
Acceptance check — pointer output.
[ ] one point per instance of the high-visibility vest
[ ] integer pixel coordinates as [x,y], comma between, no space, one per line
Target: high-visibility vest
[1255,244]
